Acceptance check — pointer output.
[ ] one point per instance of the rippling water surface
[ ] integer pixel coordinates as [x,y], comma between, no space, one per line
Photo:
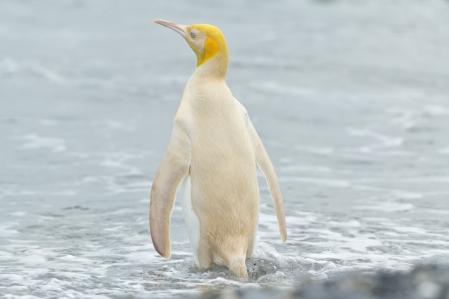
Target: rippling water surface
[350,98]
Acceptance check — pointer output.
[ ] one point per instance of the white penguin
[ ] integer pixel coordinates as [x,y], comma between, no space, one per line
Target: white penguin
[215,150]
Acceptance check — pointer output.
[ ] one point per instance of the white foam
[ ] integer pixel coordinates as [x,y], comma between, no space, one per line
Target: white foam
[33,260]
[444,150]
[410,229]
[6,256]
[299,218]
[440,212]
[316,150]
[114,125]
[18,213]
[34,141]
[142,257]
[6,229]
[407,194]
[346,224]
[277,88]
[436,110]
[48,122]
[405,119]
[48,73]
[387,207]
[9,66]
[318,181]
[385,141]
[308,169]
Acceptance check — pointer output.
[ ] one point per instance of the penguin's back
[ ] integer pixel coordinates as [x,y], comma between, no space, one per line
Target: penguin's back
[224,186]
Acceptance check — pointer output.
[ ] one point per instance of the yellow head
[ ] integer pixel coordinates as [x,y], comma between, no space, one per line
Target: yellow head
[207,41]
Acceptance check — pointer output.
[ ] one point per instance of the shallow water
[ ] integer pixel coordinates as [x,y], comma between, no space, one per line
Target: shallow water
[350,98]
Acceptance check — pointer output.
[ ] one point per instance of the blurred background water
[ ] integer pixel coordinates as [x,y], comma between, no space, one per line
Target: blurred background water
[350,97]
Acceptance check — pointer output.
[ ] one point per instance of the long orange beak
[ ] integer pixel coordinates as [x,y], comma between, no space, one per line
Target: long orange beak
[181,29]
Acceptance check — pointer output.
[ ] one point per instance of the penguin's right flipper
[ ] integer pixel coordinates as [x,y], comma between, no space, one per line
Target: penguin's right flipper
[267,168]
[173,168]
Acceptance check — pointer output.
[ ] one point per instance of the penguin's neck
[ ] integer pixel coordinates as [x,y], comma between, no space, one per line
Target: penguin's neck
[214,68]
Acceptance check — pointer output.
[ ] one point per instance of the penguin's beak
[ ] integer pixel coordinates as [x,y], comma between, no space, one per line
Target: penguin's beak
[181,29]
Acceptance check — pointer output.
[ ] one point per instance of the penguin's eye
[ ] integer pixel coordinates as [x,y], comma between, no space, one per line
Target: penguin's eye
[192,34]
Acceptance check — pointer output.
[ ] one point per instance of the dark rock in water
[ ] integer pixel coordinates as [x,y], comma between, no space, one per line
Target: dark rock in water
[423,282]
[258,268]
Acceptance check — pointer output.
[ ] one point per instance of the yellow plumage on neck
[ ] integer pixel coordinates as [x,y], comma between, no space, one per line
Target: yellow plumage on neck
[215,44]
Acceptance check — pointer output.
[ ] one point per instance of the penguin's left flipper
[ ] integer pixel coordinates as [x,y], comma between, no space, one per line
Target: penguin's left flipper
[267,168]
[173,168]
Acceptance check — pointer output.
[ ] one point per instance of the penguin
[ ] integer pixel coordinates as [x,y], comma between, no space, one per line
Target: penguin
[214,151]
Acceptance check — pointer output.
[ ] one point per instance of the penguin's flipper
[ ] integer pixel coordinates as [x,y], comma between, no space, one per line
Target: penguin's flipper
[265,165]
[173,168]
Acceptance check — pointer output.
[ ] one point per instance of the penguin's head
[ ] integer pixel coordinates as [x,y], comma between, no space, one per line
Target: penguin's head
[207,41]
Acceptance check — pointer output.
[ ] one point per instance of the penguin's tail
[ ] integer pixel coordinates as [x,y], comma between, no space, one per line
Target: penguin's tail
[232,253]
[237,266]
